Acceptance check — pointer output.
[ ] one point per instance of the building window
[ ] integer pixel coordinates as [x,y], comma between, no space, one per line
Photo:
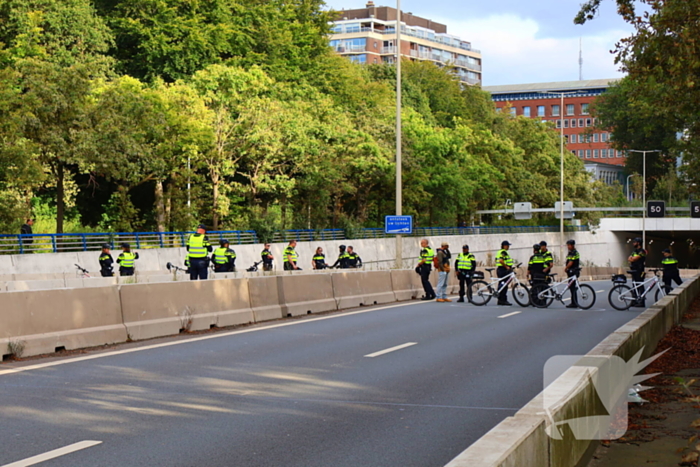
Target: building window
[580,153]
[595,137]
[580,123]
[352,27]
[566,123]
[526,111]
[499,110]
[555,111]
[573,152]
[573,123]
[589,122]
[540,111]
[584,109]
[569,109]
[358,58]
[603,153]
[603,137]
[595,154]
[566,139]
[588,153]
[513,111]
[558,123]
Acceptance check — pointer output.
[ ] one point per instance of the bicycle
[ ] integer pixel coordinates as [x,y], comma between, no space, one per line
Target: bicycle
[80,272]
[622,296]
[481,291]
[544,294]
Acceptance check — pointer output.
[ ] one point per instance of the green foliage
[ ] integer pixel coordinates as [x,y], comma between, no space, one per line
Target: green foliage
[161,114]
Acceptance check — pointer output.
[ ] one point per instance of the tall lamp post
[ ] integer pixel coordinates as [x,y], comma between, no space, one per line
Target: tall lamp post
[644,191]
[561,167]
[399,243]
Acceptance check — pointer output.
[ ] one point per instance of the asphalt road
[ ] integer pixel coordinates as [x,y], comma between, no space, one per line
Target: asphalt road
[299,392]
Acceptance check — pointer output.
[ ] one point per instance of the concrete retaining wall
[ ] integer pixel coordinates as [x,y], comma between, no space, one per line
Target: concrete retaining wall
[571,400]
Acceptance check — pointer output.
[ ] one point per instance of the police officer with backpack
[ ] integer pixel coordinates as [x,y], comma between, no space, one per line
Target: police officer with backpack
[573,263]
[637,264]
[671,272]
[198,247]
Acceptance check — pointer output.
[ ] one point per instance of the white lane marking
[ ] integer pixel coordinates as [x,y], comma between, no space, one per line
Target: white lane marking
[599,291]
[510,314]
[54,454]
[393,349]
[195,339]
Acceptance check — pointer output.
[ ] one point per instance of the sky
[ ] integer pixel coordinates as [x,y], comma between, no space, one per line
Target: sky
[524,41]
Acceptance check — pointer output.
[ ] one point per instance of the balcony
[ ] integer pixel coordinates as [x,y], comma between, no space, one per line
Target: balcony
[421,55]
[389,50]
[438,39]
[468,64]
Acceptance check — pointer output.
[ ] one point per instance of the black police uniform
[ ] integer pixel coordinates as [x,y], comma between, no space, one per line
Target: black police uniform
[637,268]
[575,258]
[265,255]
[320,261]
[354,260]
[671,272]
[197,247]
[536,267]
[106,265]
[503,271]
[427,254]
[465,265]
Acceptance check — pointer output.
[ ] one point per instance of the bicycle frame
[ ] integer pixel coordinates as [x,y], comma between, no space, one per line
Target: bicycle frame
[511,278]
[556,285]
[655,281]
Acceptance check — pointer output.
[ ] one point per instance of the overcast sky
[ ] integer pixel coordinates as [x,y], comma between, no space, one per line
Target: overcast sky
[524,41]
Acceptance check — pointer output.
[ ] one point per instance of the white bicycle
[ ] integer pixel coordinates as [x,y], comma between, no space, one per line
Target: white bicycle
[543,294]
[481,291]
[622,296]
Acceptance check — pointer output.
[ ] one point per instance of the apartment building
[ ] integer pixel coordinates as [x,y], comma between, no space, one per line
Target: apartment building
[542,101]
[368,35]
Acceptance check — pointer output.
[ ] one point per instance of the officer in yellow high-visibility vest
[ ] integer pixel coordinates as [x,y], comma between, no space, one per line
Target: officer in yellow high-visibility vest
[505,267]
[291,257]
[198,248]
[425,265]
[224,258]
[126,260]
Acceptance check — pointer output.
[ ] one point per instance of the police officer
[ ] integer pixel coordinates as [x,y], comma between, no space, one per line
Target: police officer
[224,258]
[197,248]
[354,260]
[465,265]
[267,258]
[342,261]
[547,256]
[291,257]
[505,267]
[637,264]
[106,262]
[671,272]
[536,265]
[424,267]
[573,260]
[319,259]
[126,260]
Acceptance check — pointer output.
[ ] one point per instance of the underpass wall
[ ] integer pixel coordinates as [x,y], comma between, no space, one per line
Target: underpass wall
[599,248]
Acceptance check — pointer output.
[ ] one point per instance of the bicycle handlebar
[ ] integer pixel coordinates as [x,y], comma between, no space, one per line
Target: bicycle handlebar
[82,269]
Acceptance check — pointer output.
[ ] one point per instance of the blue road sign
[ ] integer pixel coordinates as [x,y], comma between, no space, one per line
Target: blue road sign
[398,225]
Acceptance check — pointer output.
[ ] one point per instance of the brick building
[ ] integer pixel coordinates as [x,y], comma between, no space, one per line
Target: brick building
[368,35]
[581,138]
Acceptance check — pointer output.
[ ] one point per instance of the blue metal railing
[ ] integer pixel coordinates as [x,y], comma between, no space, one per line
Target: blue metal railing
[52,243]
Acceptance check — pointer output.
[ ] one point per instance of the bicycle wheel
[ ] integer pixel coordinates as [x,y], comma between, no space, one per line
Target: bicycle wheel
[480,293]
[541,295]
[621,297]
[659,294]
[586,296]
[521,294]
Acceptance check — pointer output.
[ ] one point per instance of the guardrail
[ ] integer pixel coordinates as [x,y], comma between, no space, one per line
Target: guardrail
[67,242]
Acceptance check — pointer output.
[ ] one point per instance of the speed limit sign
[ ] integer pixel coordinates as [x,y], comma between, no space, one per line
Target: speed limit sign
[695,209]
[656,209]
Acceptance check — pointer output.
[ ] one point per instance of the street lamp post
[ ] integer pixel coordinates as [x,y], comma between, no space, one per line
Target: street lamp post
[399,203]
[644,192]
[561,166]
[628,186]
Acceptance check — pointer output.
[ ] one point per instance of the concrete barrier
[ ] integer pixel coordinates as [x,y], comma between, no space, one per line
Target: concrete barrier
[91,282]
[163,309]
[305,294]
[44,321]
[48,284]
[403,285]
[264,299]
[354,288]
[573,398]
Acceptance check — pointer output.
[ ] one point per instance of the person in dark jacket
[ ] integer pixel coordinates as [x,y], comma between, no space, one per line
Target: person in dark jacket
[319,259]
[354,260]
[342,261]
[224,258]
[26,229]
[106,262]
[671,272]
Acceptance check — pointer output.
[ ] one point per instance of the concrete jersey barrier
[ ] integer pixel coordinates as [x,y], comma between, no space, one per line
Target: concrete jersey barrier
[305,294]
[264,299]
[573,399]
[47,320]
[164,309]
[355,288]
